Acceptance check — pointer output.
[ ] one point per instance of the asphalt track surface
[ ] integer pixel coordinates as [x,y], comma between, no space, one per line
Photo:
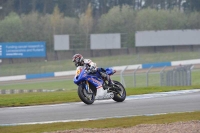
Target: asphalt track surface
[149,104]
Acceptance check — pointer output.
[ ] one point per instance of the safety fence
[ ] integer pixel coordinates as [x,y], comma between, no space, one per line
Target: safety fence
[175,73]
[117,68]
[163,76]
[179,76]
[184,75]
[117,59]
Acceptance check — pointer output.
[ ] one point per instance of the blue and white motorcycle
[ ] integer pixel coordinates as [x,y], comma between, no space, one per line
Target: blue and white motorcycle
[91,86]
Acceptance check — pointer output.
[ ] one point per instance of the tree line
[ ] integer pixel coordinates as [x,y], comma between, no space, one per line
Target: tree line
[37,26]
[74,8]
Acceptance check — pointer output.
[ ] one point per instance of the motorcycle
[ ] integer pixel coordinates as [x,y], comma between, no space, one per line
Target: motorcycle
[91,86]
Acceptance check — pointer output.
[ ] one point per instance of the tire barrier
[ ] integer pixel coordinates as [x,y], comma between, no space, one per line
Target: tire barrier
[18,91]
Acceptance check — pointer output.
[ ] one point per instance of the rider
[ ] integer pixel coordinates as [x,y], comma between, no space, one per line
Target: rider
[80,61]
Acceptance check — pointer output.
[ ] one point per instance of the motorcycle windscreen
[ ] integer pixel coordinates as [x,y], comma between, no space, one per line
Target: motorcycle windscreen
[78,71]
[109,71]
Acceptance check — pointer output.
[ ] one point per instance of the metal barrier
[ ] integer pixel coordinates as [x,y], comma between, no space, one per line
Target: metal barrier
[121,76]
[165,76]
[179,76]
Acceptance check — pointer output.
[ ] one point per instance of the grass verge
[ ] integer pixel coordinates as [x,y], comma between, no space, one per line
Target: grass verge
[26,99]
[154,80]
[105,123]
[108,61]
[49,85]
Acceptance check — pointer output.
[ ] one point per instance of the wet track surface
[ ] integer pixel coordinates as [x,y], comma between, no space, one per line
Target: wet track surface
[133,105]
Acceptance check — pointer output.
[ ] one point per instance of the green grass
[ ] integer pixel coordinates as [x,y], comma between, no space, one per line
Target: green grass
[154,80]
[26,99]
[61,84]
[70,93]
[105,123]
[147,90]
[196,77]
[65,65]
[38,98]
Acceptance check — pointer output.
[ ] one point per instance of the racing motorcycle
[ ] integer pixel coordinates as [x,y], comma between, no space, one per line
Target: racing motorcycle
[91,86]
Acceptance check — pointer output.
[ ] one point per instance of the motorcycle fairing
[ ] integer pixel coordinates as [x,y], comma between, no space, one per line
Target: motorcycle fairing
[103,94]
[95,80]
[92,78]
[110,71]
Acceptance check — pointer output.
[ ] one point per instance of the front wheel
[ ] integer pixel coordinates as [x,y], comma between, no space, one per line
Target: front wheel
[120,96]
[87,98]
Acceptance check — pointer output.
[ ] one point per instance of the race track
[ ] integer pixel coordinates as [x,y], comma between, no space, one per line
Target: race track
[149,104]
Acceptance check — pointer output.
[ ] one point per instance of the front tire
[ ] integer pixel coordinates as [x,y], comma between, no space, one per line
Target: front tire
[121,95]
[87,98]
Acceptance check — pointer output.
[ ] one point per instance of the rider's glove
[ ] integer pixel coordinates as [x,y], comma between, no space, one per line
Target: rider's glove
[92,69]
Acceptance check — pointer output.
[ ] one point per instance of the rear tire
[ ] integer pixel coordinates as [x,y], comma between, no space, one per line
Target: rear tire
[122,96]
[85,96]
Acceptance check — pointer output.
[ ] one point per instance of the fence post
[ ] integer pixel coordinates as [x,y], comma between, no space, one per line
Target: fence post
[189,75]
[173,77]
[134,77]
[147,75]
[161,75]
[121,76]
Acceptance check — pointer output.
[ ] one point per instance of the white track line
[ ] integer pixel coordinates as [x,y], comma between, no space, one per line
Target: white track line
[100,118]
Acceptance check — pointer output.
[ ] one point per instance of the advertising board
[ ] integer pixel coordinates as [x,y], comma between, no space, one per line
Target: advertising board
[105,41]
[22,49]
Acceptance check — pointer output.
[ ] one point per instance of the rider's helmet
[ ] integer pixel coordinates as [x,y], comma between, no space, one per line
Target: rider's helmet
[78,60]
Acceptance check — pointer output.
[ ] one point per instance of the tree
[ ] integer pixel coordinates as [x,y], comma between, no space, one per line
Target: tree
[119,21]
[32,27]
[11,28]
[86,23]
[151,19]
[56,20]
[192,5]
[193,20]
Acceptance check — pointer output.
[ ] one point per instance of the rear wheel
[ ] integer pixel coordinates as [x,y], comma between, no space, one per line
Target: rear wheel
[120,96]
[87,98]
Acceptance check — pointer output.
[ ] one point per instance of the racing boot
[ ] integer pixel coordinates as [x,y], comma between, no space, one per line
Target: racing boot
[107,77]
[110,82]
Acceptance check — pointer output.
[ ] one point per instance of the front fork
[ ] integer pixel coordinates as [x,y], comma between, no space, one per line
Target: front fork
[87,87]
